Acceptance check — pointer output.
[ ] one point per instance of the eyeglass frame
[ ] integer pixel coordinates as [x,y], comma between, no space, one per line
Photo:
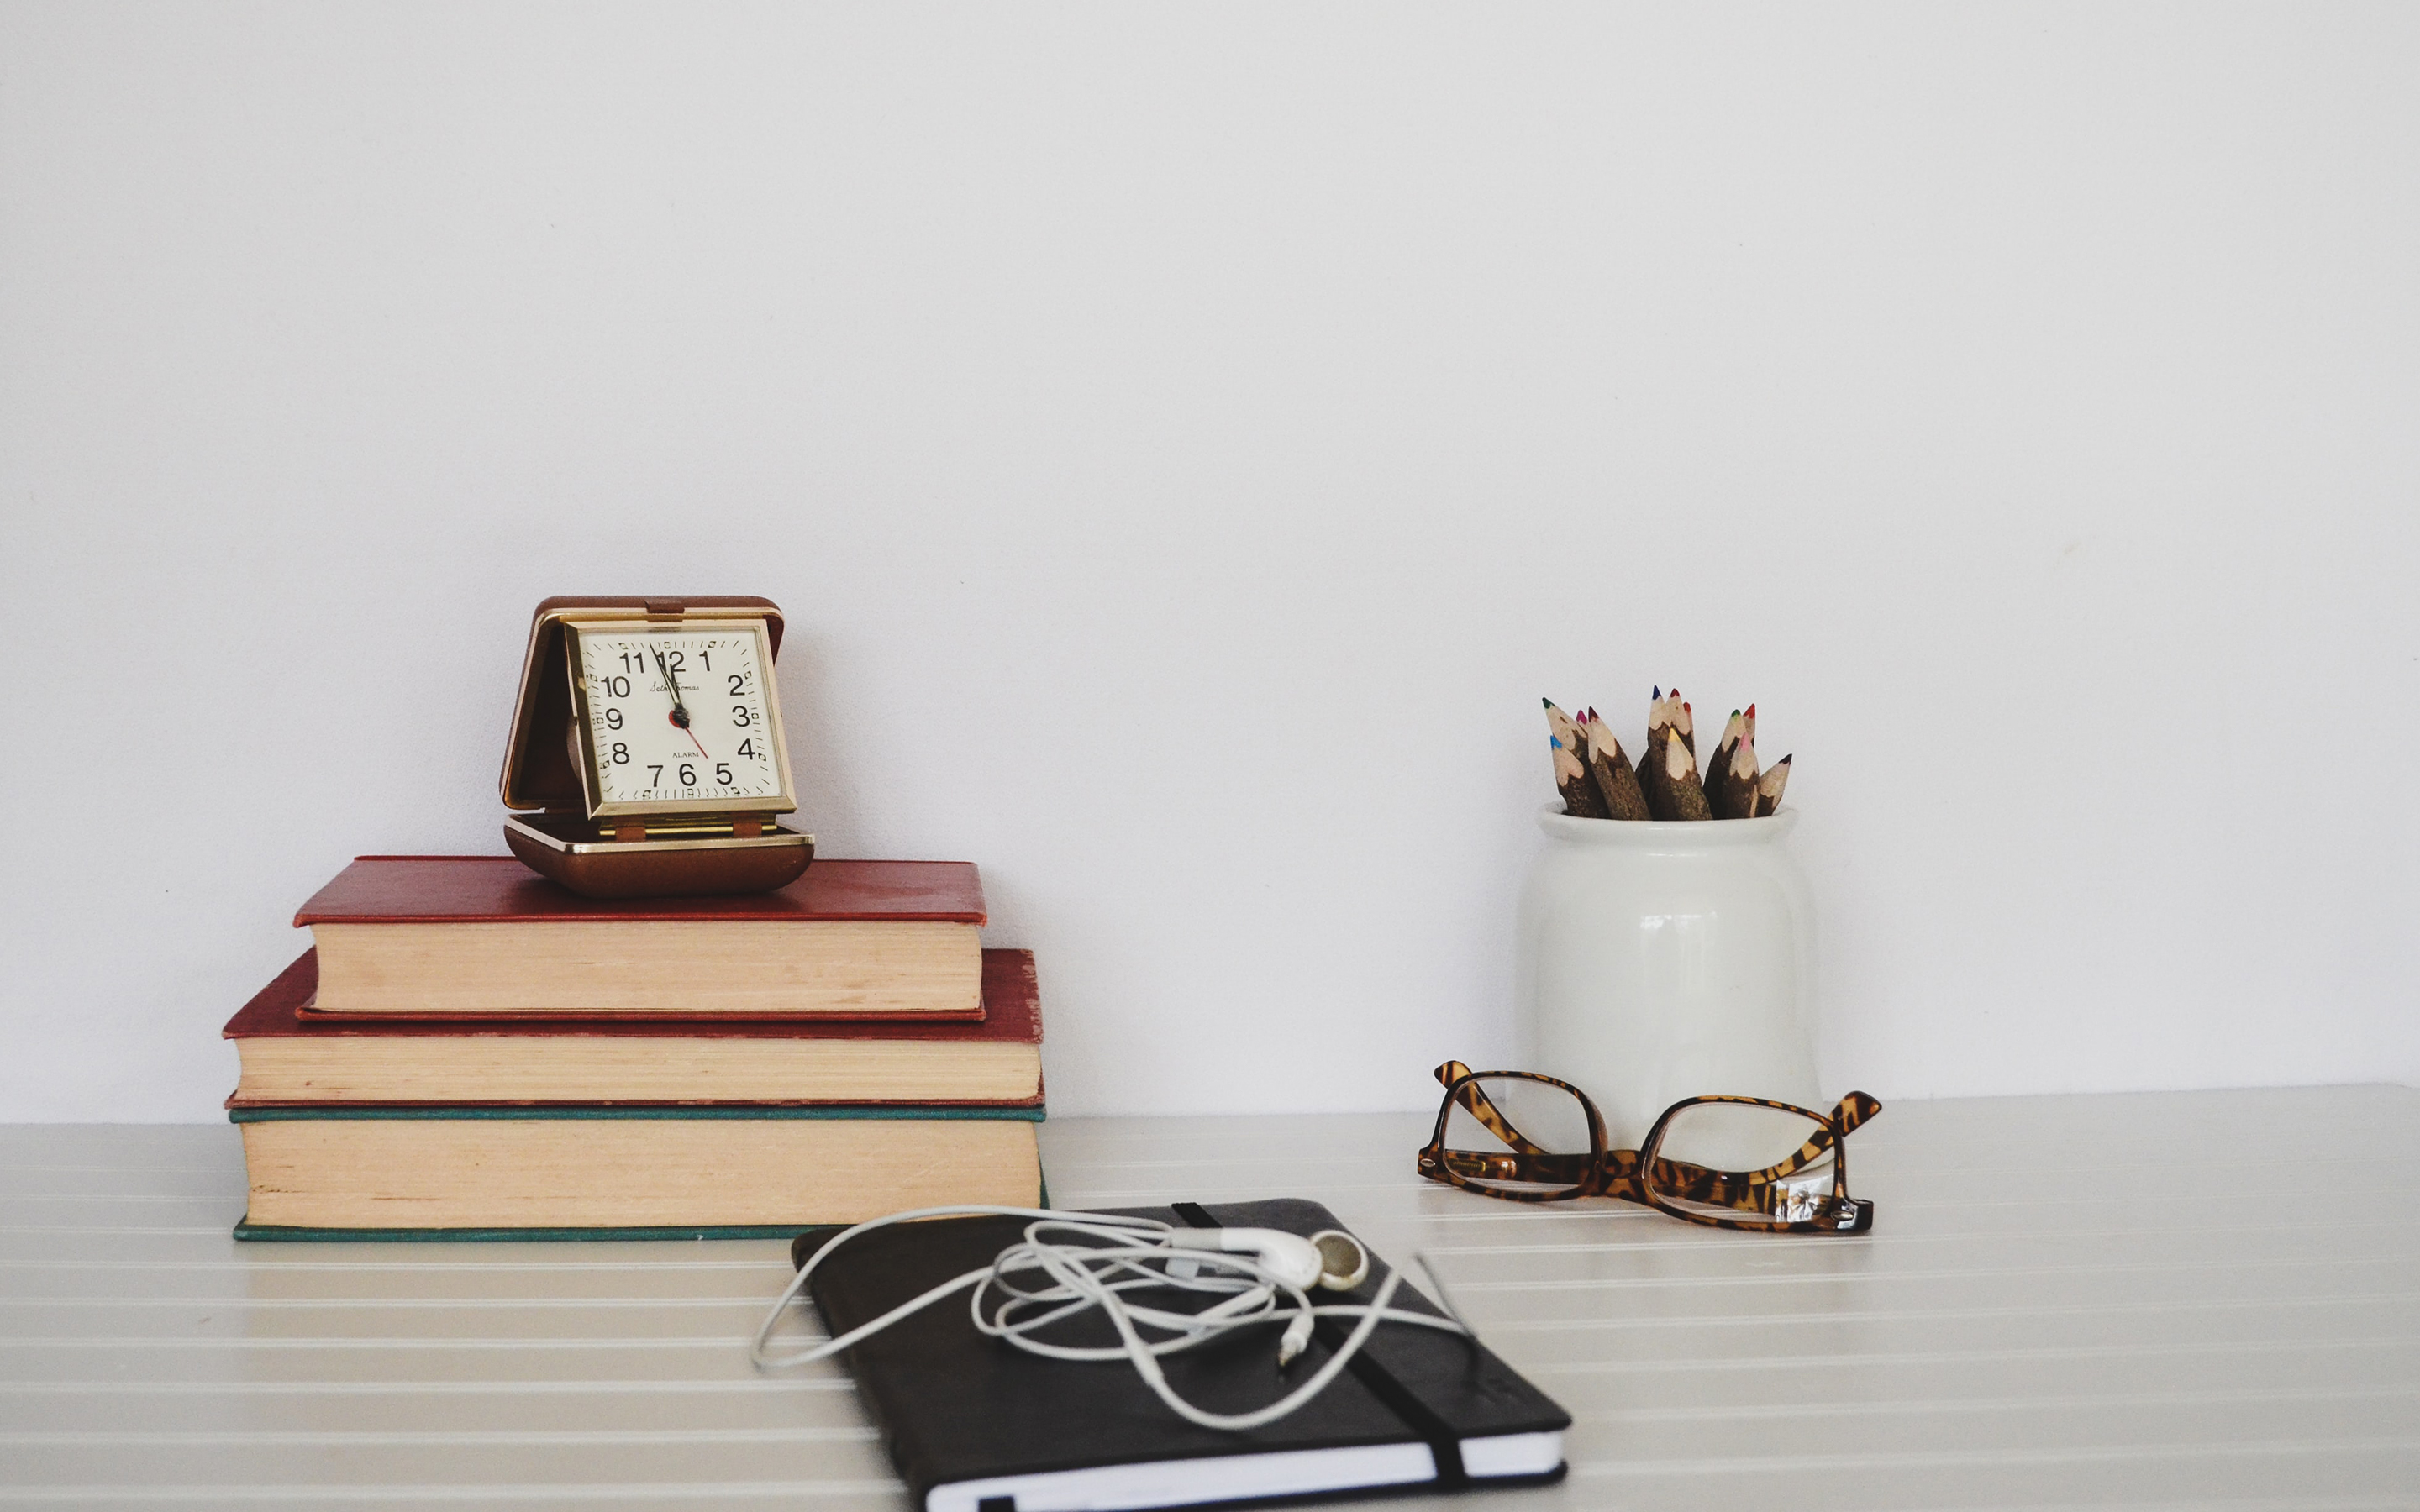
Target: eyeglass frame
[1619,1173]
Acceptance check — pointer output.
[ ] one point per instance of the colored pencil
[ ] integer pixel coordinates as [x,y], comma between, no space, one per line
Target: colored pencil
[1615,779]
[1581,798]
[1731,783]
[1684,797]
[1652,778]
[1769,786]
[1664,712]
[1718,766]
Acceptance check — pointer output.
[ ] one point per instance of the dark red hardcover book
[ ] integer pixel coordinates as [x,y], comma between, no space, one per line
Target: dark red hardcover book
[349,1058]
[498,889]
[482,937]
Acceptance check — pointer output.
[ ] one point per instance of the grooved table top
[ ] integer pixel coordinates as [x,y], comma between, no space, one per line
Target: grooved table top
[2159,1300]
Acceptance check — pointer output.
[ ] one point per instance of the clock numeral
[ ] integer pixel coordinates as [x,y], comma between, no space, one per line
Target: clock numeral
[739,683]
[723,774]
[739,715]
[688,775]
[612,718]
[706,658]
[748,748]
[628,657]
[617,687]
[655,775]
[621,754]
[673,659]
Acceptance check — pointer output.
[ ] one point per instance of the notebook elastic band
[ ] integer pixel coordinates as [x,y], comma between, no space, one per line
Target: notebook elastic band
[1445,1445]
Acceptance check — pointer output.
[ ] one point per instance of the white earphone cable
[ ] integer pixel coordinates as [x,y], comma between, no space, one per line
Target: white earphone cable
[1082,1277]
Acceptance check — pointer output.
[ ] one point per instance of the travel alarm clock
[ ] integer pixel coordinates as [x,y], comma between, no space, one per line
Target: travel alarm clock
[648,737]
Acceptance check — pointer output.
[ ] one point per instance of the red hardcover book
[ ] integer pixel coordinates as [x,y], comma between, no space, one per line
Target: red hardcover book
[498,889]
[484,936]
[295,1057]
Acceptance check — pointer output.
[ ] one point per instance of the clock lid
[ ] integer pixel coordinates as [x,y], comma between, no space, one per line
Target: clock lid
[538,773]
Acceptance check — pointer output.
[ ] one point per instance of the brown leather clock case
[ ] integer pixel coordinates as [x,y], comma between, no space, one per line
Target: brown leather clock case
[663,855]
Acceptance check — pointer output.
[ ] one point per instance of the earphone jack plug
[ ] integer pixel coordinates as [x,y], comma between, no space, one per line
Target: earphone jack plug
[1296,1339]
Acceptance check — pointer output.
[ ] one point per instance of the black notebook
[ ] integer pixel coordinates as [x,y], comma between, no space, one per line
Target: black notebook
[975,1424]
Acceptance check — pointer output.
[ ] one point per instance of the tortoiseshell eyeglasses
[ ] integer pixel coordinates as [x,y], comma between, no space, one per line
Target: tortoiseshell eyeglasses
[1731,1161]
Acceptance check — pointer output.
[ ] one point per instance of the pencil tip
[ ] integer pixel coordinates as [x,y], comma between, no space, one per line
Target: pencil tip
[1751,711]
[1655,692]
[1548,703]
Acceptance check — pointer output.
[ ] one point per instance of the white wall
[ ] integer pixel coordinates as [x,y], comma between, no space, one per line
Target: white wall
[1188,439]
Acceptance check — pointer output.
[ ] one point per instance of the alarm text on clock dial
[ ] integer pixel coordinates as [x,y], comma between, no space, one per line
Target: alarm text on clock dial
[676,716]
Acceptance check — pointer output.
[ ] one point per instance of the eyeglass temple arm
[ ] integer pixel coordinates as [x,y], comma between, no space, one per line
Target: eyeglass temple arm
[1477,1105]
[1747,1192]
[1494,1166]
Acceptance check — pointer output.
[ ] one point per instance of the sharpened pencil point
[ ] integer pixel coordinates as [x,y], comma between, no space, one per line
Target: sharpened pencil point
[1548,703]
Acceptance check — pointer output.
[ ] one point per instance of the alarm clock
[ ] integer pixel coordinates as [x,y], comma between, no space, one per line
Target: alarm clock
[647,740]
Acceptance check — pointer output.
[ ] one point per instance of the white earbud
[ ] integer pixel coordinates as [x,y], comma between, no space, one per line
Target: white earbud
[1330,1258]
[1343,1264]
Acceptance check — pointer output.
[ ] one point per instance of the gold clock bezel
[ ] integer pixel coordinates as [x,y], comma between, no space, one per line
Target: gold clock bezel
[785,801]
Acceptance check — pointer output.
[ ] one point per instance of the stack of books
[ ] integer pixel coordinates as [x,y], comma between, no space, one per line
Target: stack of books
[469,1050]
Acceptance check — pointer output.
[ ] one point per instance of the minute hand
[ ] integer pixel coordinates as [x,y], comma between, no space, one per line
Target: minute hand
[680,710]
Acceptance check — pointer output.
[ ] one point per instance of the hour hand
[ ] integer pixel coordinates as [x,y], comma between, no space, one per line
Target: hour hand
[680,710]
[671,686]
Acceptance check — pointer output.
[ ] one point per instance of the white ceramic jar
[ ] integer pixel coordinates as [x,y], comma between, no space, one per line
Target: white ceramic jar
[1663,961]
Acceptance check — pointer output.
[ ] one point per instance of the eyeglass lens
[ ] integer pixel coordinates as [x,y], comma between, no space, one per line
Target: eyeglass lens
[1735,1137]
[1509,1136]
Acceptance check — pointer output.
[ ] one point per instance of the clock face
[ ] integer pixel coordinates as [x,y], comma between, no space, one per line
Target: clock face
[679,716]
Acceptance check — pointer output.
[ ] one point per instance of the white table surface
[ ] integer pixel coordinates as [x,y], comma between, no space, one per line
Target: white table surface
[2183,1299]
